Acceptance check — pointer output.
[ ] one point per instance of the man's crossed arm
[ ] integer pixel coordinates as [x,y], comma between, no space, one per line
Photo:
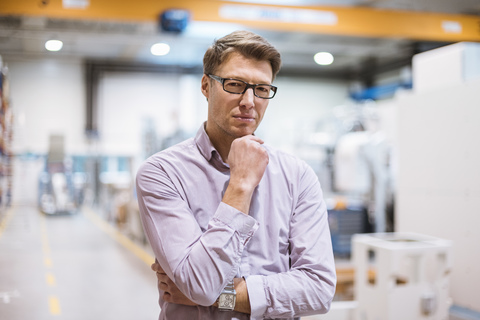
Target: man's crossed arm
[172,294]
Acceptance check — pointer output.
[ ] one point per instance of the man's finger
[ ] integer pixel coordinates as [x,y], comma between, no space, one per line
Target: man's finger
[162,286]
[253,138]
[163,277]
[156,267]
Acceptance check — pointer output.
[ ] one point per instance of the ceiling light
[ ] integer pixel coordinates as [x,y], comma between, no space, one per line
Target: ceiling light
[53,45]
[160,49]
[323,58]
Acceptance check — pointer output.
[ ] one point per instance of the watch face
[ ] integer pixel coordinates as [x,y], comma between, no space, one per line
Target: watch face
[226,301]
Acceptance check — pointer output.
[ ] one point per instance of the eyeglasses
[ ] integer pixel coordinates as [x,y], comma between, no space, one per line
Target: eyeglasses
[264,91]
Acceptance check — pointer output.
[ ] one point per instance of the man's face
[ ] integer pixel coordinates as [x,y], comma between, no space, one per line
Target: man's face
[231,116]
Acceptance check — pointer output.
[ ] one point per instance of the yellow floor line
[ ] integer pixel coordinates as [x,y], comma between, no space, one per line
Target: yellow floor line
[50,279]
[147,258]
[47,262]
[45,244]
[6,220]
[54,305]
[53,302]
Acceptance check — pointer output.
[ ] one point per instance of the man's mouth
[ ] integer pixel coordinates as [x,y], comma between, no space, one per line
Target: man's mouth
[244,118]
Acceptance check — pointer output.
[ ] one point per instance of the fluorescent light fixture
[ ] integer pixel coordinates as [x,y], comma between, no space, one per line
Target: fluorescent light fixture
[53,45]
[75,4]
[323,58]
[210,30]
[281,2]
[160,49]
[289,15]
[452,26]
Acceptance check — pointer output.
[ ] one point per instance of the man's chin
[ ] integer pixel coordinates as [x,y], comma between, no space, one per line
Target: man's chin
[244,131]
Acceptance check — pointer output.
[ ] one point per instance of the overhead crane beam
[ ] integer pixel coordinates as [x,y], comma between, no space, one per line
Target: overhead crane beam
[347,21]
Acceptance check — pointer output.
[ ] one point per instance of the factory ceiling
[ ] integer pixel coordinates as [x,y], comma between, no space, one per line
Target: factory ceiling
[366,37]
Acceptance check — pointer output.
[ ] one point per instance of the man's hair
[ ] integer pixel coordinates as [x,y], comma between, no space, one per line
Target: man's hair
[248,44]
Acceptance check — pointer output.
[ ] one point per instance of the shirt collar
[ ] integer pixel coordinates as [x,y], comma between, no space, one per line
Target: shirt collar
[204,144]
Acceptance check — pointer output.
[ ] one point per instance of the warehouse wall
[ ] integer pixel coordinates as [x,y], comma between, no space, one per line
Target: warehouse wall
[48,96]
[130,103]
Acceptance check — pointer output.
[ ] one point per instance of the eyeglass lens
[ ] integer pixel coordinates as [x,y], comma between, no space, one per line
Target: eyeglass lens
[237,86]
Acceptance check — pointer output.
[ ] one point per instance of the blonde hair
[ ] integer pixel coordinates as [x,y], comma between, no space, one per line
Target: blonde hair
[246,43]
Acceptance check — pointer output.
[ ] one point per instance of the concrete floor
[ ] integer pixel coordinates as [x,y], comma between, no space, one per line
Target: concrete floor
[67,267]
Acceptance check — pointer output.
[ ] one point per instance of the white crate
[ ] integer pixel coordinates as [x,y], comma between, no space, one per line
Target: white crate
[401,276]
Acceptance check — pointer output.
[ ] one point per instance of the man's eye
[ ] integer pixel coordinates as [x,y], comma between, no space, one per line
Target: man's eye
[234,84]
[263,89]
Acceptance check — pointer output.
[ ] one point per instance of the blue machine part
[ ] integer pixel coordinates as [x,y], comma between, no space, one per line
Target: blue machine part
[344,224]
[174,20]
[379,92]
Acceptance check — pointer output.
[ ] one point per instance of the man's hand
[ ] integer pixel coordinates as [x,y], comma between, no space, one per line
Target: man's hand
[170,291]
[248,160]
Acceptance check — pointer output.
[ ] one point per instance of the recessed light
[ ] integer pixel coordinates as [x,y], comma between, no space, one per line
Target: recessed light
[53,45]
[323,58]
[160,49]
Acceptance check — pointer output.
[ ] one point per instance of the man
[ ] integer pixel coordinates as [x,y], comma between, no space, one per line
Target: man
[223,211]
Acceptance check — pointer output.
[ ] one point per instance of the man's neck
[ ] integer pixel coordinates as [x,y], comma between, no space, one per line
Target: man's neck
[221,144]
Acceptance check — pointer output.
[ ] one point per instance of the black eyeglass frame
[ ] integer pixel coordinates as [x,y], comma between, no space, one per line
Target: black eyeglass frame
[247,86]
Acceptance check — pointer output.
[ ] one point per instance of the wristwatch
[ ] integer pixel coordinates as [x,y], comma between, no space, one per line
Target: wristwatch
[226,300]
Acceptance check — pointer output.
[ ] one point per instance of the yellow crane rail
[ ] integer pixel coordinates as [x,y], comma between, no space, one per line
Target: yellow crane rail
[348,21]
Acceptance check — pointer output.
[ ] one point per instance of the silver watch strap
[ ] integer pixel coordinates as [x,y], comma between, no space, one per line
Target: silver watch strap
[230,286]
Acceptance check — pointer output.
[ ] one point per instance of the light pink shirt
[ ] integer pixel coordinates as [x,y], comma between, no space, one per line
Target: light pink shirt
[282,248]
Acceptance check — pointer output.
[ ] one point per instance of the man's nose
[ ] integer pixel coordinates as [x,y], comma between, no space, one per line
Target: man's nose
[248,98]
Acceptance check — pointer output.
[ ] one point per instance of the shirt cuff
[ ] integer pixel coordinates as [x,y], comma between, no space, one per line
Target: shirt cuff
[256,295]
[237,220]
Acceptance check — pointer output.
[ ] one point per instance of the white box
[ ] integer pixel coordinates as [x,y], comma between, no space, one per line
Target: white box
[446,66]
[339,310]
[401,276]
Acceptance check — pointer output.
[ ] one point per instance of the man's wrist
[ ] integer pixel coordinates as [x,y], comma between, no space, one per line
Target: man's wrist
[226,300]
[239,198]
[243,303]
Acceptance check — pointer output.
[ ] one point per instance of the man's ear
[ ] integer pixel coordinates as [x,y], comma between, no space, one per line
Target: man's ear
[205,86]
